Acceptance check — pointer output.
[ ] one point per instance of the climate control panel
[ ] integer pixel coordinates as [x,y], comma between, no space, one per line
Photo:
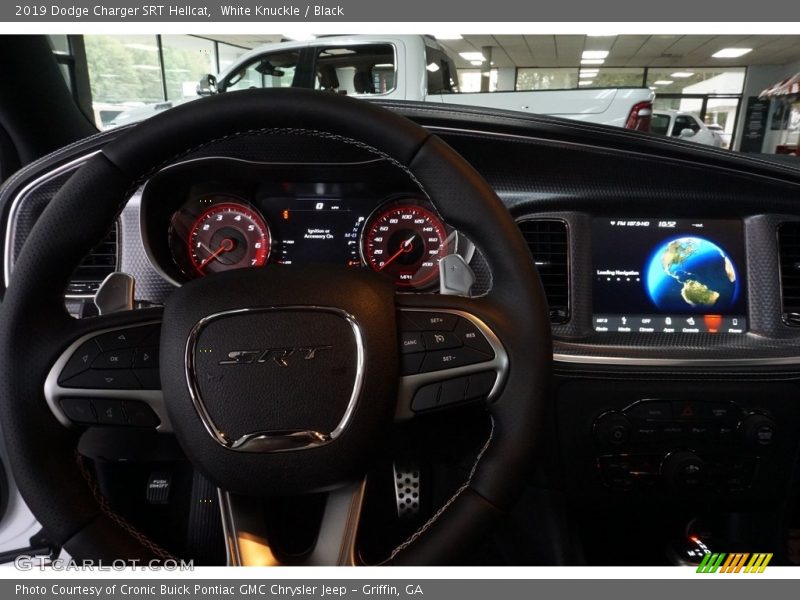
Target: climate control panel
[682,440]
[682,445]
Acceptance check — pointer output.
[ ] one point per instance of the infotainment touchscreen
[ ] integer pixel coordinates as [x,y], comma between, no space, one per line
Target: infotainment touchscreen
[668,276]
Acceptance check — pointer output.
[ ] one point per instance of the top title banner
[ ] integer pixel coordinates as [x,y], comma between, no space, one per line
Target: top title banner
[325,11]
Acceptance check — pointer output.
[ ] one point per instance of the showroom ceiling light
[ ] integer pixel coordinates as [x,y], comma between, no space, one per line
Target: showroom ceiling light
[299,37]
[731,52]
[432,67]
[592,71]
[476,63]
[586,82]
[586,75]
[682,74]
[472,56]
[448,36]
[663,82]
[592,61]
[594,54]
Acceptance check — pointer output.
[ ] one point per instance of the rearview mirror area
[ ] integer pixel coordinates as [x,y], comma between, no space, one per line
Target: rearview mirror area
[207,85]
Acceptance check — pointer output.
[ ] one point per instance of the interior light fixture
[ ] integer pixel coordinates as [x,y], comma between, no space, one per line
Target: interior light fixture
[594,54]
[472,56]
[731,52]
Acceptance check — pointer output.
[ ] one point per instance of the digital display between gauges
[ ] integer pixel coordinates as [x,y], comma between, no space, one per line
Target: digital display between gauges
[315,230]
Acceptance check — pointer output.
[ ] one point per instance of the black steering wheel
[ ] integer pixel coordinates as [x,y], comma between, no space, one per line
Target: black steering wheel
[250,429]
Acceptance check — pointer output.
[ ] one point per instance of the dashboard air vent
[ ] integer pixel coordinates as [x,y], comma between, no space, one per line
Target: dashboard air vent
[789,249]
[549,246]
[98,264]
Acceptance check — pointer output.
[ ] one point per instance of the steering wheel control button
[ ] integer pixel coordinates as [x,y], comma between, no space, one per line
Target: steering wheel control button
[411,342]
[480,385]
[79,410]
[410,363]
[430,321]
[440,340]
[612,430]
[80,361]
[146,358]
[471,336]
[124,338]
[114,359]
[110,412]
[427,397]
[454,391]
[108,379]
[149,378]
[140,414]
[450,359]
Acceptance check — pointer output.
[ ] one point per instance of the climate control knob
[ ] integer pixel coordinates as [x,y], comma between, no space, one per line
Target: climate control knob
[612,430]
[683,470]
[759,430]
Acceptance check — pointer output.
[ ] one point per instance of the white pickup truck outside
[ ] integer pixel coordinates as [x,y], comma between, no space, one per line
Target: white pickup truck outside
[405,67]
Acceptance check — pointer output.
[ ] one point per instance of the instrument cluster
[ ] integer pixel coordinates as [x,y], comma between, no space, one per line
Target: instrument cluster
[221,224]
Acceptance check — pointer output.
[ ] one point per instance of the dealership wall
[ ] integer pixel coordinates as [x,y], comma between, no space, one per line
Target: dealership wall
[758,79]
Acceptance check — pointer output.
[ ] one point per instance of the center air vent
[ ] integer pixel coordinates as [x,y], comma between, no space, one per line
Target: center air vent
[789,249]
[98,264]
[549,245]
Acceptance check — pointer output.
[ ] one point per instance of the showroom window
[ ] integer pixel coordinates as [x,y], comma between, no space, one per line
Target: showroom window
[186,60]
[470,80]
[547,79]
[610,77]
[227,55]
[135,76]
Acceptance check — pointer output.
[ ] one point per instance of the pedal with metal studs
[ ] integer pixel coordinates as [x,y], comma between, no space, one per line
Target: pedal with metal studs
[407,489]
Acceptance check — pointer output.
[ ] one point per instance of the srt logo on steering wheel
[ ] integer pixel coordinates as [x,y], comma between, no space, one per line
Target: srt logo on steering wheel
[279,356]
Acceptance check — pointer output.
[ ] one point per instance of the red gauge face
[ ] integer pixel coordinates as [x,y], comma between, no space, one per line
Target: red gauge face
[405,241]
[228,236]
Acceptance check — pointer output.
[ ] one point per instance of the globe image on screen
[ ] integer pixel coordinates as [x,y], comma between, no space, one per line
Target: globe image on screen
[691,274]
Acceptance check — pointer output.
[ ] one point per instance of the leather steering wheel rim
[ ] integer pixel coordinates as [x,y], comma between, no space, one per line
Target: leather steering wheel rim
[36,327]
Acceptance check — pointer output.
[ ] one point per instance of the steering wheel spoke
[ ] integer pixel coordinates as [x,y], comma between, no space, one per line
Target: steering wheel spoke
[246,528]
[449,356]
[108,374]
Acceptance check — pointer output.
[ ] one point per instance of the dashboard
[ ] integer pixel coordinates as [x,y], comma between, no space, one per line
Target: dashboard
[672,272]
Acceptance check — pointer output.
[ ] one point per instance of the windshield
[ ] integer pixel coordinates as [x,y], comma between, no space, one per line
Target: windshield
[608,80]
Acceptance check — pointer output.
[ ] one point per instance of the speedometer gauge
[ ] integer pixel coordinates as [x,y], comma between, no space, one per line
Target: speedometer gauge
[406,242]
[228,236]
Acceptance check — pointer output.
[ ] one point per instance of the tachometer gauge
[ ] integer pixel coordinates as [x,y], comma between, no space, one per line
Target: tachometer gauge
[405,241]
[228,236]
